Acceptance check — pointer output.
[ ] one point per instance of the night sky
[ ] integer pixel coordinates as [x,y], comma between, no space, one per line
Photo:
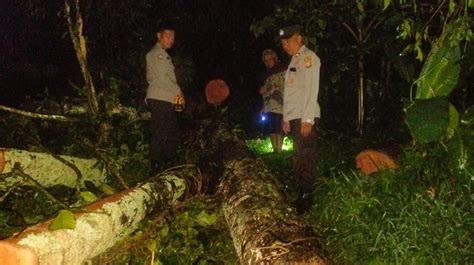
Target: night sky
[36,52]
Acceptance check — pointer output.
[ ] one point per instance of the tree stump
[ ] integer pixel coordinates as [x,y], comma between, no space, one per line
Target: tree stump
[370,161]
[216,91]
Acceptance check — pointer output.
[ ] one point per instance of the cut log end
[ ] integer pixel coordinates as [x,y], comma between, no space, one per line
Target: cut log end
[2,161]
[371,161]
[217,91]
[14,254]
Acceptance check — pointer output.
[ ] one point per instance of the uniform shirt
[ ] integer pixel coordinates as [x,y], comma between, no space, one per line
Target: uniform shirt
[160,75]
[302,87]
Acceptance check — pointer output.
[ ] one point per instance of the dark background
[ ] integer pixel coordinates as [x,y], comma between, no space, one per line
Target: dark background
[213,41]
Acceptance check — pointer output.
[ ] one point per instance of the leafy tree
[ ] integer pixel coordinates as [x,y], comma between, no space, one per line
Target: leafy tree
[353,36]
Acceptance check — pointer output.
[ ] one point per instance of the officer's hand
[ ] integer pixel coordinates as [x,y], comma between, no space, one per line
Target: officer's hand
[306,128]
[286,127]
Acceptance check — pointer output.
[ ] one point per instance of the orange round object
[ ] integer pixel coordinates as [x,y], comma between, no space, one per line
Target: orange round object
[216,91]
[370,161]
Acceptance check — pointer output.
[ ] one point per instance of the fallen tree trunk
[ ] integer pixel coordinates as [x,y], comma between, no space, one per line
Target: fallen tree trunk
[98,226]
[264,228]
[49,170]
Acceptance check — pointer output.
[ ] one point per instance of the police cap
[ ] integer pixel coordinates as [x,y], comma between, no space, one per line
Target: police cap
[289,31]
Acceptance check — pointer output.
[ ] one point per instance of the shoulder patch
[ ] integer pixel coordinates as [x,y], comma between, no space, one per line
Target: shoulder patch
[308,61]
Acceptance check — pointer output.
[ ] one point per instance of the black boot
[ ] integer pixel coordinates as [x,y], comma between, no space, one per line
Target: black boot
[304,203]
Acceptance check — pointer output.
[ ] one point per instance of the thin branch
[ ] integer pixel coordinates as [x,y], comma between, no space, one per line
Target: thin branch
[368,28]
[9,190]
[432,16]
[73,167]
[49,117]
[17,170]
[115,172]
[178,167]
[351,31]
[112,170]
[370,32]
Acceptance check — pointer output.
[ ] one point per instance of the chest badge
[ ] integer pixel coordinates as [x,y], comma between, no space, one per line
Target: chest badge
[308,62]
[291,81]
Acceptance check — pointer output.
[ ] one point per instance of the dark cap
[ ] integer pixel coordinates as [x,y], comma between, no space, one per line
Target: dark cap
[165,25]
[289,31]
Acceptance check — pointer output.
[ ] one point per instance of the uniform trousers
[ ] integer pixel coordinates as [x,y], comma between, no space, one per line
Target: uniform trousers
[304,156]
[165,133]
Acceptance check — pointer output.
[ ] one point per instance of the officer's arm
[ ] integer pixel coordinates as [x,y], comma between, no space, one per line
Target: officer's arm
[311,75]
[150,66]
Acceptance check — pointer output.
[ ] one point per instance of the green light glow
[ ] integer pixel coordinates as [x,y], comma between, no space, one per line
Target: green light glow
[287,144]
[264,146]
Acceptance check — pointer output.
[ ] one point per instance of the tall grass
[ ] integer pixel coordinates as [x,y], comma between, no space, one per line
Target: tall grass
[418,214]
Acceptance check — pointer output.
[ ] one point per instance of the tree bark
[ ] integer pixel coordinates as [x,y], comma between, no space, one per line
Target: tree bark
[76,25]
[98,226]
[264,228]
[112,110]
[41,116]
[49,170]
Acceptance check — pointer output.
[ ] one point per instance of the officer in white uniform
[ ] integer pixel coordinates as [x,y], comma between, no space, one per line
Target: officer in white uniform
[161,95]
[301,110]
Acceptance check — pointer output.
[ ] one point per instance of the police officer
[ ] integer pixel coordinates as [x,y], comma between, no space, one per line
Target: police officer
[161,97]
[301,110]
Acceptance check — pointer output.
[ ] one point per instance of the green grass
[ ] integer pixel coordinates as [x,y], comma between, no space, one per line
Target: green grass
[420,213]
[394,218]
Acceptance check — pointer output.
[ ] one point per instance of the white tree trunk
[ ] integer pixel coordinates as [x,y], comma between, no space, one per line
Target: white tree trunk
[49,170]
[98,227]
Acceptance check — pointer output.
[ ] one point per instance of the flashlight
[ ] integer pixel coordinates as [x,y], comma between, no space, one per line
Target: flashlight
[262,117]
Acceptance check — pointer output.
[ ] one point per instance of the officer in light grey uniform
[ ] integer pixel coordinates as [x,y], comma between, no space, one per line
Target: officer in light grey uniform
[301,110]
[160,76]
[160,97]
